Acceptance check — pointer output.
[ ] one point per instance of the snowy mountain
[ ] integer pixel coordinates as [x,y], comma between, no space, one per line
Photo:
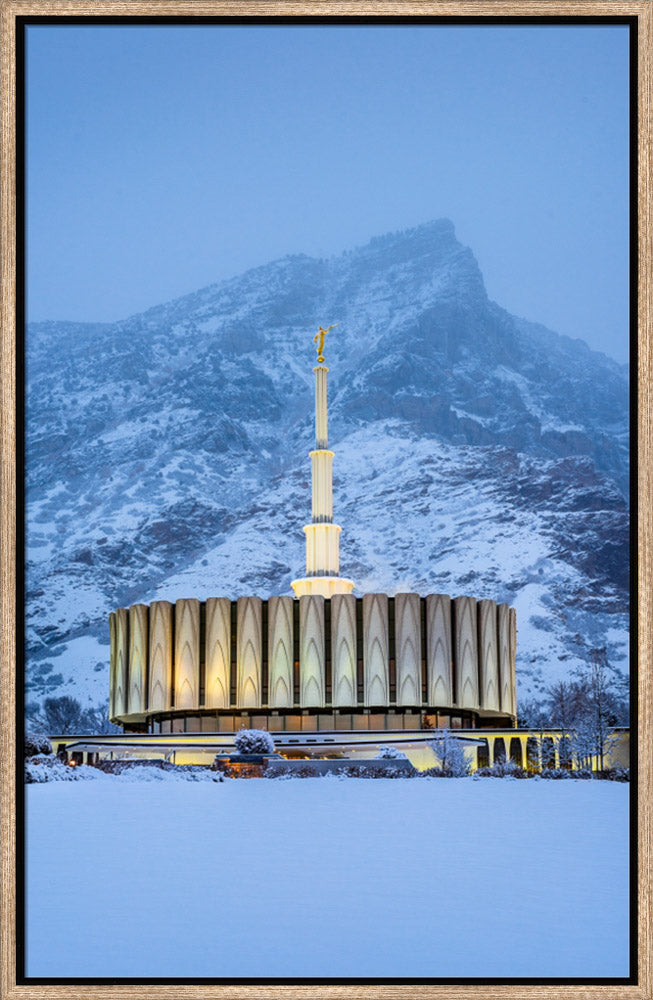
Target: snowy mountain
[168,455]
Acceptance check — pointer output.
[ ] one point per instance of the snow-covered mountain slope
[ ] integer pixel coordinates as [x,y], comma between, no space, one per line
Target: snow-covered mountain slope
[475,453]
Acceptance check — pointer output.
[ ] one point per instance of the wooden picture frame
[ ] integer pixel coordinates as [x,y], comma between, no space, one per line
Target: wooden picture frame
[641,11]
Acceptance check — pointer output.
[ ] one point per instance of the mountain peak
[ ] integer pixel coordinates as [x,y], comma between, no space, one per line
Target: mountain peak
[428,235]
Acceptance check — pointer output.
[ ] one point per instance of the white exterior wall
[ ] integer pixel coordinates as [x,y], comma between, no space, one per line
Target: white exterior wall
[408,655]
[113,659]
[160,645]
[503,649]
[144,667]
[187,653]
[490,694]
[280,652]
[466,652]
[375,649]
[343,650]
[249,651]
[217,659]
[137,658]
[439,649]
[122,660]
[512,632]
[311,651]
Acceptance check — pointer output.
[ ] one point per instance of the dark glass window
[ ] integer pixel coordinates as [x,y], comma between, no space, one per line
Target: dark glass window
[202,677]
[499,749]
[360,679]
[264,653]
[295,646]
[515,750]
[327,652]
[233,677]
[532,754]
[422,643]
[392,651]
[483,754]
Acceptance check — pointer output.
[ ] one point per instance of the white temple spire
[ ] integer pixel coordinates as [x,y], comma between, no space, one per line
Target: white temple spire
[322,535]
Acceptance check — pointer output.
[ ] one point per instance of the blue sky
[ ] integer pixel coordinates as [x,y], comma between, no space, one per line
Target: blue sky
[165,158]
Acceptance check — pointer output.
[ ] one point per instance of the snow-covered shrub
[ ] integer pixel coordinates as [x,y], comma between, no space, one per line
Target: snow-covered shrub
[157,770]
[361,771]
[617,774]
[35,744]
[450,752]
[47,767]
[305,771]
[279,775]
[390,753]
[254,741]
[560,773]
[503,769]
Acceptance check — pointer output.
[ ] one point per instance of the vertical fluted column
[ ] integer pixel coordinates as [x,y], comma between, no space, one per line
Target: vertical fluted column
[343,649]
[408,653]
[137,694]
[311,650]
[113,659]
[218,652]
[187,652]
[321,486]
[160,647]
[376,649]
[321,459]
[280,652]
[466,651]
[489,692]
[512,633]
[320,407]
[503,644]
[122,661]
[249,655]
[439,656]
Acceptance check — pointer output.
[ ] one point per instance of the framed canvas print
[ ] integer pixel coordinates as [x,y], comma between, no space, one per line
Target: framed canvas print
[325,499]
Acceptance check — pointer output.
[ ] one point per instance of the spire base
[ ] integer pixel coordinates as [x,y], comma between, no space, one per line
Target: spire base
[325,586]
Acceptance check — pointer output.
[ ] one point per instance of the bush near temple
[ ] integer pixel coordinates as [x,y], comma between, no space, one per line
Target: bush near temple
[254,741]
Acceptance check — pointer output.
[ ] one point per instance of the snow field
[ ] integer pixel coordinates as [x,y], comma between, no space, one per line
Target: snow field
[328,878]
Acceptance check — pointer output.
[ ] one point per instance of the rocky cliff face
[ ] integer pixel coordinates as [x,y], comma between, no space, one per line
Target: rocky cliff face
[475,453]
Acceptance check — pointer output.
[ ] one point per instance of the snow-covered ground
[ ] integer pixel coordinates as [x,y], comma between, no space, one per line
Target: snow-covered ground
[327,878]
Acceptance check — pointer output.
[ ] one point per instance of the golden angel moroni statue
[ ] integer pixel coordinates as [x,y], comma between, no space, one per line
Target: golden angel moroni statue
[319,337]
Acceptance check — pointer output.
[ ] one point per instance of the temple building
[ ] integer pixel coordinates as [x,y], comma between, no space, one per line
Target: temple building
[324,659]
